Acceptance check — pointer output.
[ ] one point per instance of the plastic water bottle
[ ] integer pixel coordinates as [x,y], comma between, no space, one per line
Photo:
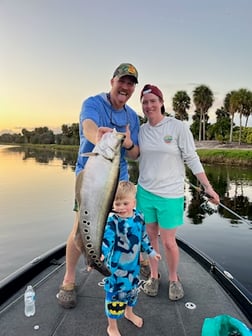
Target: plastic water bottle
[29,301]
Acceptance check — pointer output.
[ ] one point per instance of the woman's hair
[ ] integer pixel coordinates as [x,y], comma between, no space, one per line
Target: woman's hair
[124,189]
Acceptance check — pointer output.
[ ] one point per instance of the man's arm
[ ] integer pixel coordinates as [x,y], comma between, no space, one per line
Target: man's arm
[92,132]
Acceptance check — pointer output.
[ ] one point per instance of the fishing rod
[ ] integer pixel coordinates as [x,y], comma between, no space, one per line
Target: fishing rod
[202,192]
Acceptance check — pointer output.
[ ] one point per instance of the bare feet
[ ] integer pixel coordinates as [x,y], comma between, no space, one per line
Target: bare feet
[113,331]
[135,319]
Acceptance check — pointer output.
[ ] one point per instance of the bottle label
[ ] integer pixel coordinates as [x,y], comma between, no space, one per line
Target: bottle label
[29,299]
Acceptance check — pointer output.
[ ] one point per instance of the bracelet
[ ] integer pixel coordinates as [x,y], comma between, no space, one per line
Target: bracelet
[131,147]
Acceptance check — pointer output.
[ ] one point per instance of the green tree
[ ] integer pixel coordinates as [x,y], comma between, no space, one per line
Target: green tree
[181,103]
[246,110]
[27,135]
[220,130]
[70,134]
[142,120]
[229,106]
[195,126]
[241,102]
[203,99]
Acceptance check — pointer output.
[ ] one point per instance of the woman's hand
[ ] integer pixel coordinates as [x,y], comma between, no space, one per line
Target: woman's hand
[211,194]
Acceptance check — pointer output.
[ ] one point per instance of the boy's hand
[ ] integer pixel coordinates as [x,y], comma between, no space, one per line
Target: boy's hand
[157,257]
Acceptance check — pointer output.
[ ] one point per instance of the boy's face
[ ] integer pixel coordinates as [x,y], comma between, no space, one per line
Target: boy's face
[124,206]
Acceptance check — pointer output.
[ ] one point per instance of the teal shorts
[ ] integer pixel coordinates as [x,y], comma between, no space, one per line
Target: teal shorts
[167,212]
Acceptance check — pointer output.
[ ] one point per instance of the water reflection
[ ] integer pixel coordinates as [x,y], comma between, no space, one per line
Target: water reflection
[233,188]
[42,155]
[230,183]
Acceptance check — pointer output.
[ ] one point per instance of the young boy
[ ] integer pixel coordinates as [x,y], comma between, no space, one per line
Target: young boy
[124,237]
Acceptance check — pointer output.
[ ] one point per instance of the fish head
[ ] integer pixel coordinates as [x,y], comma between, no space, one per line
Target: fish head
[110,144]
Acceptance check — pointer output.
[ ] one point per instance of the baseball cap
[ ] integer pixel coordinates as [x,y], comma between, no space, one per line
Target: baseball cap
[148,88]
[126,69]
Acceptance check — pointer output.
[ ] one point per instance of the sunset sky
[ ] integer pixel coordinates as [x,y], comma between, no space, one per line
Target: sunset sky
[56,53]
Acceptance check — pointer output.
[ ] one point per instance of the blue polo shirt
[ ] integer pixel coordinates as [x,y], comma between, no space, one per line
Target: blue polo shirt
[99,110]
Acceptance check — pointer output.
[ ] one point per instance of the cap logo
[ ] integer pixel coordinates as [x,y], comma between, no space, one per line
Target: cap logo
[146,91]
[132,70]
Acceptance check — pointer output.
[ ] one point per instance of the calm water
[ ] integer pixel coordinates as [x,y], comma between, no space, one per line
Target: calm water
[36,200]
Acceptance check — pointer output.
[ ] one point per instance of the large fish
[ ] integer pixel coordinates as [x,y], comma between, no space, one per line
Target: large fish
[95,190]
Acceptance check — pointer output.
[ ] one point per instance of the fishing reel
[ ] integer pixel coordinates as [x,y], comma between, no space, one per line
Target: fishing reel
[208,207]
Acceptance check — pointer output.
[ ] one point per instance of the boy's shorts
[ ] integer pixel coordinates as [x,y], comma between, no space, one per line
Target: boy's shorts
[115,303]
[167,212]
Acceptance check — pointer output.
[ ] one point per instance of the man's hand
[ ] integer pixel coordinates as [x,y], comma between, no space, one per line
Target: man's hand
[101,131]
[127,141]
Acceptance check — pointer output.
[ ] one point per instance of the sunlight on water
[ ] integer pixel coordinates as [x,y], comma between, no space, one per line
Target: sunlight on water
[36,208]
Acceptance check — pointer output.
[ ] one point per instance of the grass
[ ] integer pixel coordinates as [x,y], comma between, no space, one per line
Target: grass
[229,156]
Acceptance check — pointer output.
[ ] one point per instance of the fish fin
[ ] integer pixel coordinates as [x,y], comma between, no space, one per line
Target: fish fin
[102,268]
[89,154]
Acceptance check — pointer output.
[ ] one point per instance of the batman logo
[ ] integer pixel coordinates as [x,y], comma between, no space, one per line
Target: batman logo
[116,308]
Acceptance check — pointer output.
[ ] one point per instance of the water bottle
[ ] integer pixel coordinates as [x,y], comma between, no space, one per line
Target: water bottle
[29,301]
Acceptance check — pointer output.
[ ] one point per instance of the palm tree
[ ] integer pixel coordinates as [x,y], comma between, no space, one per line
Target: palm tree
[220,130]
[248,110]
[203,99]
[181,103]
[230,106]
[242,100]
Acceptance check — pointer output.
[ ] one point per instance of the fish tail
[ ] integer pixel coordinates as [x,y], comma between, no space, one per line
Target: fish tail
[100,267]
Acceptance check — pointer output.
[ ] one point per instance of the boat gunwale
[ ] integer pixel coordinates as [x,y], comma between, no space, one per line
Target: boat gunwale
[240,295]
[10,285]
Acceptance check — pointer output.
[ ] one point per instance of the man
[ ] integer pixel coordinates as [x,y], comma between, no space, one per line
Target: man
[100,114]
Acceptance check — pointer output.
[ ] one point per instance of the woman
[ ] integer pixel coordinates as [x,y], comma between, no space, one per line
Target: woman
[165,145]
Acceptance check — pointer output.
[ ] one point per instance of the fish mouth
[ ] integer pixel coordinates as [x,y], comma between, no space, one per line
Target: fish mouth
[121,134]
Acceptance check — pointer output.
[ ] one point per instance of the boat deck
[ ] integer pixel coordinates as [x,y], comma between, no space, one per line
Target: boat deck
[161,316]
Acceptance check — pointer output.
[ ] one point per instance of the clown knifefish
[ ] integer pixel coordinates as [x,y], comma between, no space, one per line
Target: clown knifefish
[95,190]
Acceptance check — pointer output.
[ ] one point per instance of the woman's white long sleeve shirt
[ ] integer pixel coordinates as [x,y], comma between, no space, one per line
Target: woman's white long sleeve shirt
[164,150]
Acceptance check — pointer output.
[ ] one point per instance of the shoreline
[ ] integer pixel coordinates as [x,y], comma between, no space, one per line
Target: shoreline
[214,152]
[213,144]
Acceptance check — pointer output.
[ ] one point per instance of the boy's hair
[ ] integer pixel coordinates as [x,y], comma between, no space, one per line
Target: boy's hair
[124,189]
